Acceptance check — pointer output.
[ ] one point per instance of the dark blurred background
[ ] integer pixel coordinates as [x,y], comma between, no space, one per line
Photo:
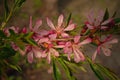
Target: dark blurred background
[52,8]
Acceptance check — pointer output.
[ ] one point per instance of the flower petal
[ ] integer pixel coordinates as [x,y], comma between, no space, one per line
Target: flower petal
[68,44]
[37,25]
[80,54]
[54,52]
[112,41]
[30,57]
[53,36]
[60,20]
[97,23]
[24,30]
[64,34]
[37,52]
[14,46]
[50,24]
[69,27]
[90,17]
[76,56]
[90,26]
[100,16]
[95,53]
[76,39]
[44,55]
[107,21]
[67,50]
[21,51]
[68,56]
[106,51]
[104,27]
[43,40]
[43,32]
[59,46]
[86,41]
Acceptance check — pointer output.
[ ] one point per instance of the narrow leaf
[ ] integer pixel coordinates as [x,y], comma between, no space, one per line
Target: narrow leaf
[67,70]
[2,34]
[6,52]
[69,17]
[19,2]
[6,9]
[114,14]
[96,72]
[15,67]
[107,72]
[117,20]
[106,15]
[56,71]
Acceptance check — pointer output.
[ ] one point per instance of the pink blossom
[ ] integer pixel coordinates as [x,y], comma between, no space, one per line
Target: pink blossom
[15,29]
[74,47]
[23,30]
[33,51]
[60,29]
[48,46]
[105,47]
[97,22]
[35,28]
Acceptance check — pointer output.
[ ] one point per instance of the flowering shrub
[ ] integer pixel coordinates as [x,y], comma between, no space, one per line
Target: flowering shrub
[61,43]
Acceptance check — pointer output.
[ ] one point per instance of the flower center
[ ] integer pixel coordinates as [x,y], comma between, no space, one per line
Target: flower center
[46,45]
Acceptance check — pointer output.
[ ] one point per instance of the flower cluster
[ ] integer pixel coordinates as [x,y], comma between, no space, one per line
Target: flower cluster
[58,40]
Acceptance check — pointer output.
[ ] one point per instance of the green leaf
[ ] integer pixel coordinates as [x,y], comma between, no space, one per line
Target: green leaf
[106,15]
[67,70]
[32,42]
[69,17]
[20,44]
[28,35]
[102,72]
[107,72]
[6,52]
[12,32]
[14,59]
[96,72]
[117,20]
[2,34]
[94,69]
[56,71]
[19,2]
[75,66]
[114,14]
[15,67]
[6,9]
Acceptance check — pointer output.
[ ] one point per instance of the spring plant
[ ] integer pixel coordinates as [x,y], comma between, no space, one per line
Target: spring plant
[61,45]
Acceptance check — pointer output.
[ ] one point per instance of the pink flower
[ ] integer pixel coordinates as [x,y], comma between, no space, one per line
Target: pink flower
[33,51]
[23,30]
[74,47]
[60,29]
[51,52]
[15,29]
[35,28]
[105,47]
[48,48]
[97,22]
